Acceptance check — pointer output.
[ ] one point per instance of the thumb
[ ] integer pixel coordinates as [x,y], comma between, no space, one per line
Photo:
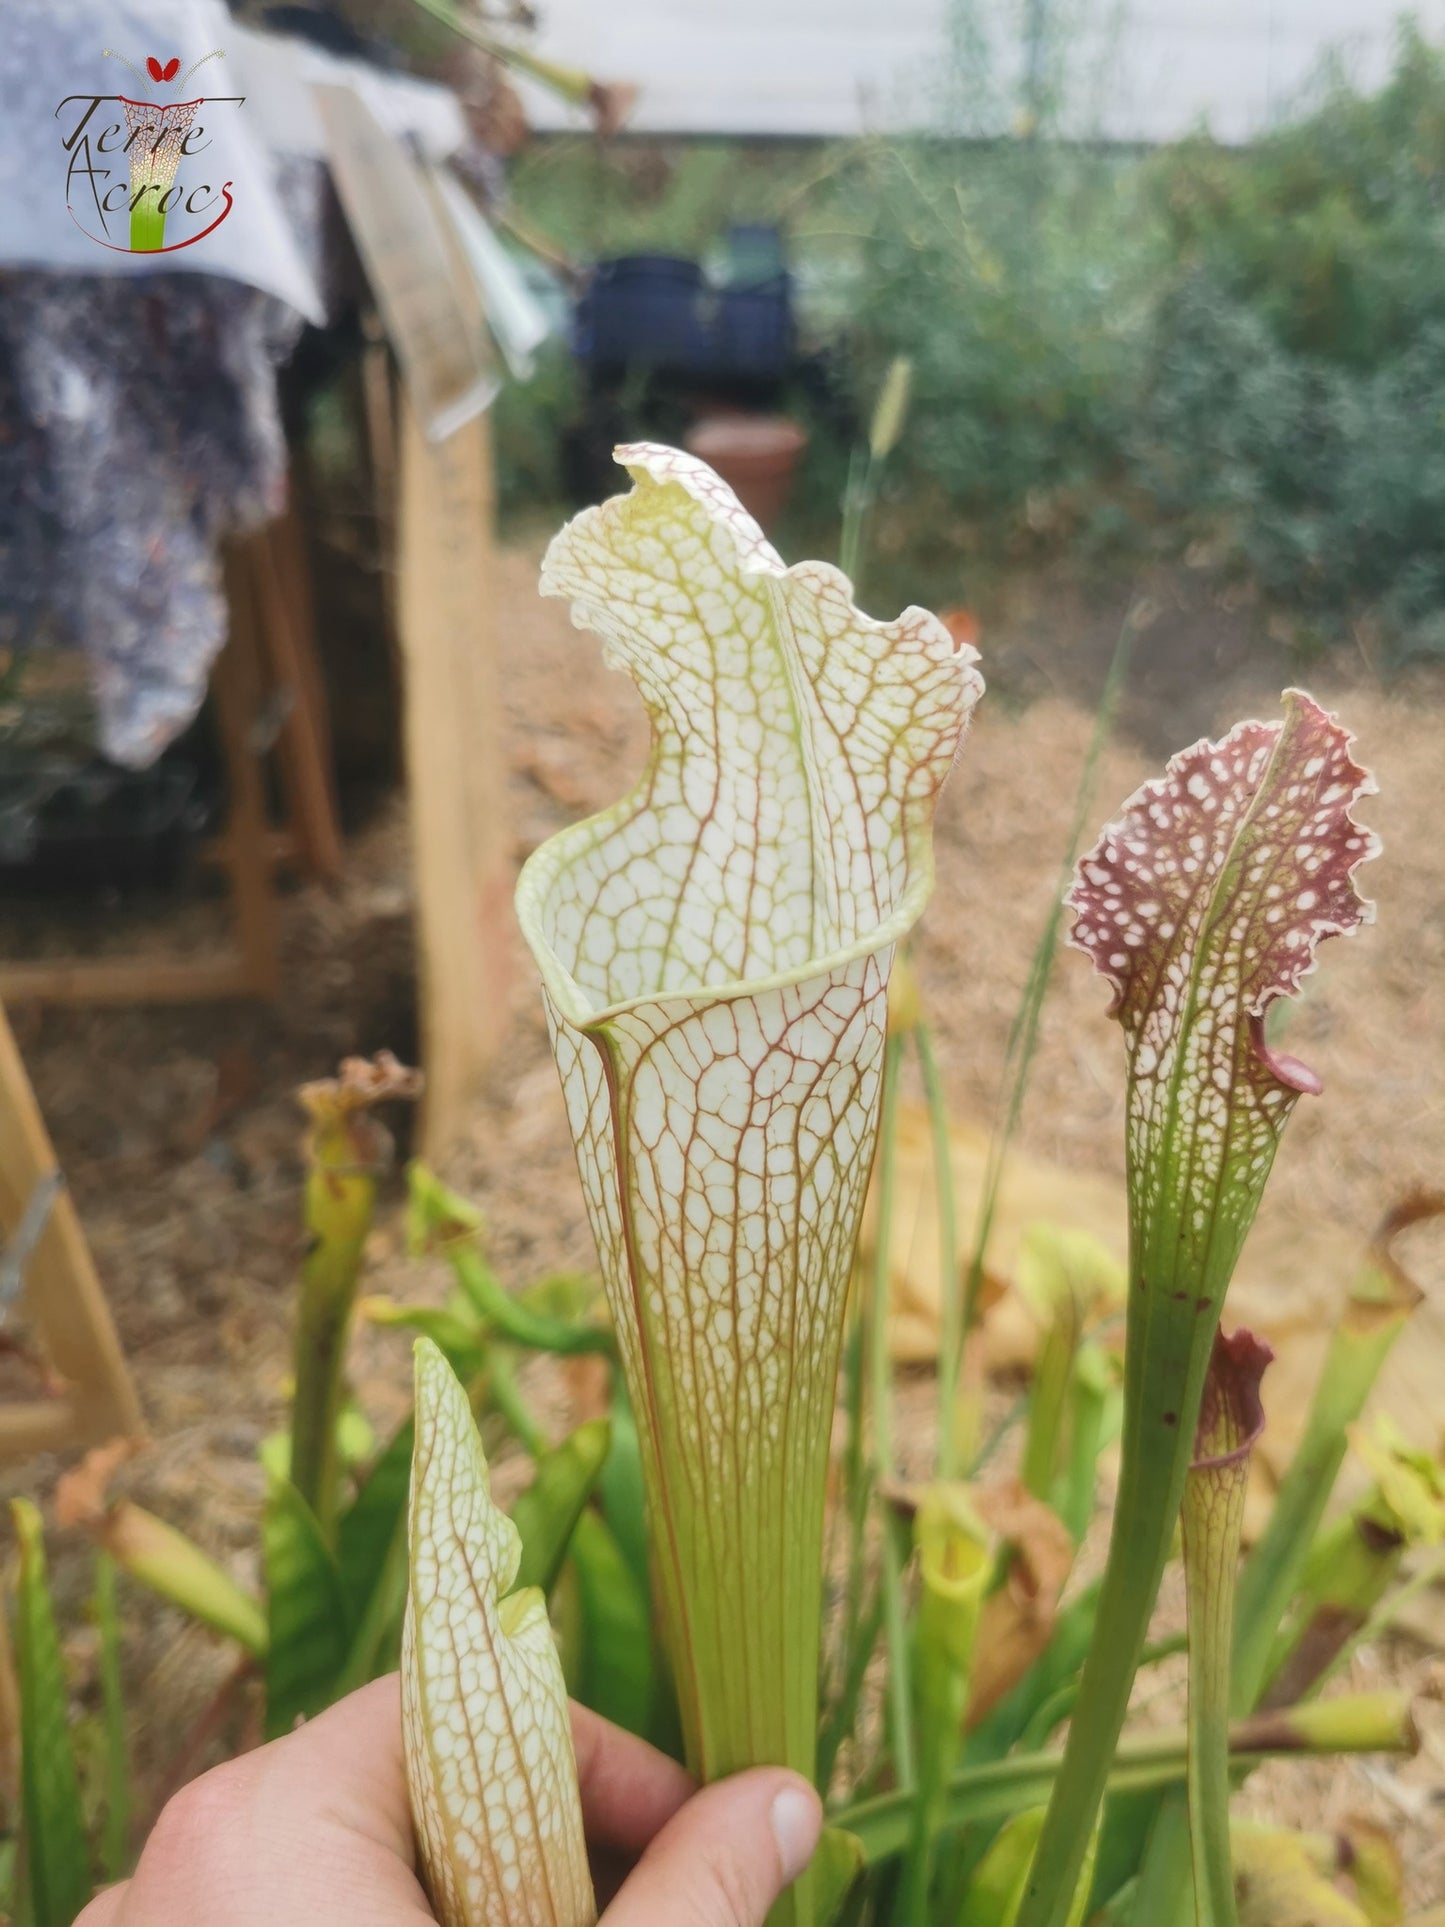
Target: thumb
[726,1856]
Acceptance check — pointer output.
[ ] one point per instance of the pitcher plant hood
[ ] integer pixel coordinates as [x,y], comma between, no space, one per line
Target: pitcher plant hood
[783,824]
[1204,903]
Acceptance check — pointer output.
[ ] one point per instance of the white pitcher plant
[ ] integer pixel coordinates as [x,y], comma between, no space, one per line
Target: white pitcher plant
[715,952]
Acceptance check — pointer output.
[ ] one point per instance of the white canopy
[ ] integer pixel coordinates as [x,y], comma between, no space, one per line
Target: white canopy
[1150,70]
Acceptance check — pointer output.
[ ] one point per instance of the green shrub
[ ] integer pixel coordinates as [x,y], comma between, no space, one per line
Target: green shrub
[1240,348]
[1330,229]
[1296,393]
[1232,350]
[1323,485]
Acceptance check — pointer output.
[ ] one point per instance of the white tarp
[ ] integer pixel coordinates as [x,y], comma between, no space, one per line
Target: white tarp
[281,73]
[54,49]
[139,417]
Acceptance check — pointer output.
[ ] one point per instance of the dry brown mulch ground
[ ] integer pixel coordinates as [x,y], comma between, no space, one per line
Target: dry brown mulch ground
[179,1134]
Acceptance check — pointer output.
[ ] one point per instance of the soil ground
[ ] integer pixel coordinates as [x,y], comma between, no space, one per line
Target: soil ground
[179,1132]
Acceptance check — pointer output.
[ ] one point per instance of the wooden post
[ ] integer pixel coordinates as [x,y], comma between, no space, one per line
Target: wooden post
[276,564]
[379,407]
[456,774]
[445,580]
[236,683]
[64,1304]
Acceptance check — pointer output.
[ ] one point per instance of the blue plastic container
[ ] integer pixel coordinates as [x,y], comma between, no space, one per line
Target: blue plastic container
[659,312]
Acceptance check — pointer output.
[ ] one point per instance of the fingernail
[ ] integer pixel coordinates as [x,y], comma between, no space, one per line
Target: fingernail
[797,1821]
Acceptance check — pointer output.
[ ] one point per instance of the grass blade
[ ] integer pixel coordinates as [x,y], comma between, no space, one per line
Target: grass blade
[1024,1032]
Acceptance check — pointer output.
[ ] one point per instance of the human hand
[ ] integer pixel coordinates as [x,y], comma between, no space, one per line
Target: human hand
[314,1830]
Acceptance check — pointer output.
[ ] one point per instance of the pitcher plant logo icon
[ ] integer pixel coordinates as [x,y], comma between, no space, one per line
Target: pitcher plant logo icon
[135,166]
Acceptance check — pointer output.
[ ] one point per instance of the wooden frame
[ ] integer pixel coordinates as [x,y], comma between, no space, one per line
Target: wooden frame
[455,766]
[63,1301]
[275,559]
[432,456]
[271,649]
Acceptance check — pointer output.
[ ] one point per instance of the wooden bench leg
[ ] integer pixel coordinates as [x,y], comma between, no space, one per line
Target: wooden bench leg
[236,684]
[277,569]
[63,1300]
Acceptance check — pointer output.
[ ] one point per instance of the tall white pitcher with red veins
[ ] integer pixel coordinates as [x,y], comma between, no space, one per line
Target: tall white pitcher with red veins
[715,951]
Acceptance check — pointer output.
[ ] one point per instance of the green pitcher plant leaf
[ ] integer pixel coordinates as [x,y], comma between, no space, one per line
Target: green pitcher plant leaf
[306,1646]
[715,952]
[1231,1418]
[1096,1411]
[56,1855]
[617,1664]
[996,1891]
[488,1739]
[621,1488]
[1409,1482]
[1381,1300]
[115,1829]
[956,1552]
[439,1219]
[346,1148]
[546,1514]
[1281,1883]
[369,1526]
[154,1553]
[1355,1561]
[1203,904]
[1064,1276]
[1061,1267]
[371,1560]
[451,1328]
[1193,1832]
[996,1790]
[838,1865]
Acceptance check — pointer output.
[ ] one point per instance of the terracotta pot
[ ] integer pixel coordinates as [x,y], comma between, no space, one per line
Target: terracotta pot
[756,455]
